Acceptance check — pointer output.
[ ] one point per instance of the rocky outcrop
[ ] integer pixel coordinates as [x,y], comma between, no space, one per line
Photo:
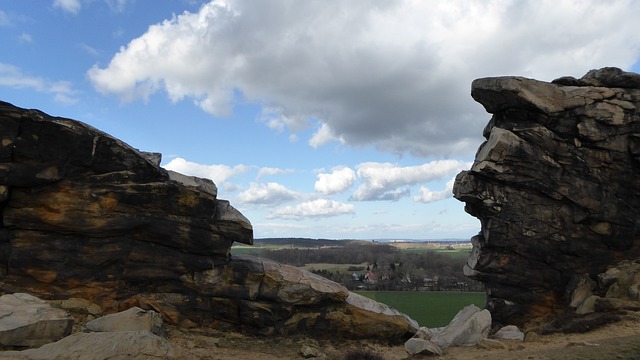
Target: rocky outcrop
[556,186]
[86,216]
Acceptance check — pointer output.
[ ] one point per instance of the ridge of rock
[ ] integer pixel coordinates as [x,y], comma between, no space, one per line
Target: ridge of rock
[84,215]
[556,187]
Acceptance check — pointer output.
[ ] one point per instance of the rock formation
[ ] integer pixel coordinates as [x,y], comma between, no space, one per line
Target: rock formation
[556,186]
[84,215]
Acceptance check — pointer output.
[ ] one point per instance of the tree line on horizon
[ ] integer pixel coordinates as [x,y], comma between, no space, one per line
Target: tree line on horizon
[392,268]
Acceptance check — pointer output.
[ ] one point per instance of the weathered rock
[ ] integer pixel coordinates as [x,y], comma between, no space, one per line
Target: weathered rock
[142,345]
[509,332]
[491,344]
[556,187]
[468,326]
[134,319]
[26,321]
[272,298]
[415,346]
[85,215]
[588,306]
[580,289]
[308,352]
[81,306]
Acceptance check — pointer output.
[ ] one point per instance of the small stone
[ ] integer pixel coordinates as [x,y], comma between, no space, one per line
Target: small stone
[309,352]
[509,332]
[416,346]
[491,344]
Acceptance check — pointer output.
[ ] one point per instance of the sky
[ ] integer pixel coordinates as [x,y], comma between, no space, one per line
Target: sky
[320,119]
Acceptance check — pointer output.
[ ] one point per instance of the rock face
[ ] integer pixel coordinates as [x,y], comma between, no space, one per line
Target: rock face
[556,187]
[86,216]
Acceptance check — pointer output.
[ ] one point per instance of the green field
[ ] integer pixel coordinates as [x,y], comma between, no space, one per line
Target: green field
[428,308]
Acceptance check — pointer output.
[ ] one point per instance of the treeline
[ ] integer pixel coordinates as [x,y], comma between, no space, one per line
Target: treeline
[347,252]
[383,266]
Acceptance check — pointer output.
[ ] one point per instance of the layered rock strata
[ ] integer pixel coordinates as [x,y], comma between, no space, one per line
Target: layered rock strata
[84,215]
[556,186]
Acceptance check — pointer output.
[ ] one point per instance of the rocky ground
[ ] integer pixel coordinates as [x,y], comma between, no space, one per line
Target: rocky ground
[616,341]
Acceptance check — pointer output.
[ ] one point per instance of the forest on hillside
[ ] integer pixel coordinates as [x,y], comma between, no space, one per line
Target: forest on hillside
[375,265]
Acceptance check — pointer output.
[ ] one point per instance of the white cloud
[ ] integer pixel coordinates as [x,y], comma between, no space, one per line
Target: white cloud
[117,6]
[24,37]
[338,180]
[12,76]
[395,74]
[319,208]
[89,49]
[269,171]
[4,19]
[70,6]
[324,135]
[428,196]
[267,193]
[218,173]
[385,181]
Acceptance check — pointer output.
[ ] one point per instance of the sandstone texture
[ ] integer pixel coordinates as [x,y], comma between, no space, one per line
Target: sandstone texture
[97,225]
[556,187]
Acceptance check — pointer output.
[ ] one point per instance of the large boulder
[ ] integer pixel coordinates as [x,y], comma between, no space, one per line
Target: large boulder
[556,186]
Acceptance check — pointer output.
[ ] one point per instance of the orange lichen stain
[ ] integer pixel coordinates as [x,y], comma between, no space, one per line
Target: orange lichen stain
[543,308]
[188,199]
[108,202]
[50,172]
[44,276]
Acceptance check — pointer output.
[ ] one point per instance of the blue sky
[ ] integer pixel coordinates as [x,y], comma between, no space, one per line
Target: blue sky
[343,119]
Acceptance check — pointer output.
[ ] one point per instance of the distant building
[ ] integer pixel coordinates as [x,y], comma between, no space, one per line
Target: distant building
[371,278]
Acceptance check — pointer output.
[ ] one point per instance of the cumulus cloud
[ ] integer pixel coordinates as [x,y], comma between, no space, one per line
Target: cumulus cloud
[218,173]
[324,135]
[70,6]
[267,193]
[268,171]
[319,208]
[386,181]
[338,180]
[12,76]
[428,196]
[395,74]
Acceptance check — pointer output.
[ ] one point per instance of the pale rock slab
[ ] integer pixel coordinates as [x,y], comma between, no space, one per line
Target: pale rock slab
[133,319]
[139,345]
[28,321]
[468,326]
[415,346]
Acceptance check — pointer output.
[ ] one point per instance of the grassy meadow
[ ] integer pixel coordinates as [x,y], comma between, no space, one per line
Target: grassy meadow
[428,308]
